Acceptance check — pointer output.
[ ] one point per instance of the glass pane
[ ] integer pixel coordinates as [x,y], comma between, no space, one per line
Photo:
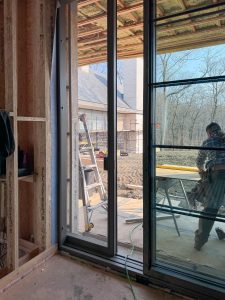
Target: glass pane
[129,158]
[171,7]
[179,171]
[190,236]
[183,112]
[170,166]
[191,46]
[190,183]
[130,128]
[88,208]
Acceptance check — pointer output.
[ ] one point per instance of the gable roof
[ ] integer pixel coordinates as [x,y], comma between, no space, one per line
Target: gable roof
[92,92]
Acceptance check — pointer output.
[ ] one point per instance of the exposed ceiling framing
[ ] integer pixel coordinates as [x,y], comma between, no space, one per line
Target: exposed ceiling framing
[175,34]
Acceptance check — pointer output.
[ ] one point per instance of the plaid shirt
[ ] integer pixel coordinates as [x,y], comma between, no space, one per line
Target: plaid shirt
[209,158]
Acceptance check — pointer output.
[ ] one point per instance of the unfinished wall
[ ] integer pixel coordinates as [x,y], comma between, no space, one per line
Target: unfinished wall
[2,81]
[26,44]
[54,148]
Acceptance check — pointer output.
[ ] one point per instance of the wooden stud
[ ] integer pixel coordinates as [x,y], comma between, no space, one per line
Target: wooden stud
[39,35]
[10,41]
[2,65]
[26,39]
[49,29]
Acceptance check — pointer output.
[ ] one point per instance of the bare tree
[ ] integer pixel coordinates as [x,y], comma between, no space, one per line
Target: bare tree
[194,116]
[186,113]
[168,67]
[186,110]
[174,117]
[214,65]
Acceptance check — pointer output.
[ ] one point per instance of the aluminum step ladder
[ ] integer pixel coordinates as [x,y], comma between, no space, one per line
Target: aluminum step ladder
[97,185]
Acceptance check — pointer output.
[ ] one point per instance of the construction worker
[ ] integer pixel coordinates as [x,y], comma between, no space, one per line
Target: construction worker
[211,163]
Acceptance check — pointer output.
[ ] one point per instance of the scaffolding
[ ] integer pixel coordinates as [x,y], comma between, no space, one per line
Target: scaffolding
[129,140]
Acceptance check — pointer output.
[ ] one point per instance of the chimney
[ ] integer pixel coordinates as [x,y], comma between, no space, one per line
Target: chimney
[133,82]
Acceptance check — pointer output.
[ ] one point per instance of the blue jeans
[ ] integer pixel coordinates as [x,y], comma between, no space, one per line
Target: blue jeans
[214,194]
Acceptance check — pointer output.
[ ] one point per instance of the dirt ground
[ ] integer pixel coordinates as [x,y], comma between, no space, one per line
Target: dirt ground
[130,169]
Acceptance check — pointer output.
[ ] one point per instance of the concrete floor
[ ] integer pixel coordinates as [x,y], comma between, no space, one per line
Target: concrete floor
[62,278]
[170,246]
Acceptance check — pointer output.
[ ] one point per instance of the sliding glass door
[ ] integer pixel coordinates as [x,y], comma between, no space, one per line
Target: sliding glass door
[184,183]
[87,128]
[183,138]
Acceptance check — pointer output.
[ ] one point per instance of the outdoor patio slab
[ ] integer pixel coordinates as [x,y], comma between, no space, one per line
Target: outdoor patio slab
[169,245]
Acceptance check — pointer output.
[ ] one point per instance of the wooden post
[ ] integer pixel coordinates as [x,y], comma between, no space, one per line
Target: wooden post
[49,24]
[41,101]
[2,65]
[10,54]
[44,12]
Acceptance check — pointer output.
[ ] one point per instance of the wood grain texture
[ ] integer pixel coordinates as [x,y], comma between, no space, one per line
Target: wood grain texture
[10,48]
[26,41]
[2,65]
[173,34]
[9,280]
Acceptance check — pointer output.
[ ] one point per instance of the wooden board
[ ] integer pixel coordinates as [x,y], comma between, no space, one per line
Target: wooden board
[10,47]
[26,31]
[28,250]
[3,272]
[2,65]
[26,269]
[178,33]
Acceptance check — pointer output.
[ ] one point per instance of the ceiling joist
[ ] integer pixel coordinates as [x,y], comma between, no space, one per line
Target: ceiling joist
[175,33]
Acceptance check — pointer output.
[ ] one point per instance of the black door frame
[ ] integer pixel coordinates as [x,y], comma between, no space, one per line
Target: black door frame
[157,273]
[66,239]
[165,274]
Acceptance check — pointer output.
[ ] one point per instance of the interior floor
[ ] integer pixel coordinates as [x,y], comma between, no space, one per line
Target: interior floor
[66,279]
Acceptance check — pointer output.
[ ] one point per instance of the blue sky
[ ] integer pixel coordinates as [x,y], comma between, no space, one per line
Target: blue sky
[193,66]
[189,68]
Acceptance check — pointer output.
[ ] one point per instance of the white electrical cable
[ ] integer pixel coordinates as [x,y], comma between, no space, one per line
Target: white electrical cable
[131,253]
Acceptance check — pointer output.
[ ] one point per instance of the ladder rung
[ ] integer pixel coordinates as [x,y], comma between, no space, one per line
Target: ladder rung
[85,149]
[87,167]
[93,207]
[93,185]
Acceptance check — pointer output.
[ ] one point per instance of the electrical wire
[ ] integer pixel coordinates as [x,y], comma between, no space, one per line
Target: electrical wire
[130,254]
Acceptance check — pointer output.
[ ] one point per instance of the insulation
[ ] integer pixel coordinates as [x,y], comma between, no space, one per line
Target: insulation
[187,31]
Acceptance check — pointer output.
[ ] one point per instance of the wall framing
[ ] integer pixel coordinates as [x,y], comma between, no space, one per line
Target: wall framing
[26,44]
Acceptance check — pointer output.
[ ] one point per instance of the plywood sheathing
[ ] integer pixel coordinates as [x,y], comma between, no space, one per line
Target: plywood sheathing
[190,32]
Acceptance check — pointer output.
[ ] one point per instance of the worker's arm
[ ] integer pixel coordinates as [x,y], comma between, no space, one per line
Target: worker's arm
[201,158]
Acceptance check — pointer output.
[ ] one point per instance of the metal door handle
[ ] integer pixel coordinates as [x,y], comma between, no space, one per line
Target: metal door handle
[106,163]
